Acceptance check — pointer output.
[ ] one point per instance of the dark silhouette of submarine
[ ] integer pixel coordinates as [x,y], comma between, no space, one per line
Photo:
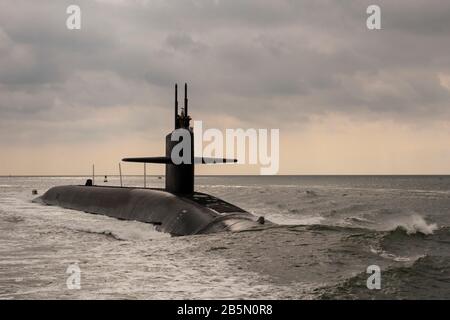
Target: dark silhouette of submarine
[177,209]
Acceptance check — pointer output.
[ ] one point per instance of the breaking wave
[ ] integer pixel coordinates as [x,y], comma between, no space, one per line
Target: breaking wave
[413,224]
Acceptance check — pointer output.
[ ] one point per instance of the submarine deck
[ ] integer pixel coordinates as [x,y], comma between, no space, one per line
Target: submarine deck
[203,199]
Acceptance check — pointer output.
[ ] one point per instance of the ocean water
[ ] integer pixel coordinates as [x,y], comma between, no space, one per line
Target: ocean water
[330,229]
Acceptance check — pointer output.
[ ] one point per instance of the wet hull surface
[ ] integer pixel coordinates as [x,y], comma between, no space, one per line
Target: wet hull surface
[197,213]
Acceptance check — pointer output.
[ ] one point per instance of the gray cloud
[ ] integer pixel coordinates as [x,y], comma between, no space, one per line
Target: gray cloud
[271,63]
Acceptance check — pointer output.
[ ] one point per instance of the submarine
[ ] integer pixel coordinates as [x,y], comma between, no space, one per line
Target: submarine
[176,209]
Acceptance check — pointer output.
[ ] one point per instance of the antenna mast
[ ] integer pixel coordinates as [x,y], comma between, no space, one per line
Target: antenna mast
[185,101]
[176,106]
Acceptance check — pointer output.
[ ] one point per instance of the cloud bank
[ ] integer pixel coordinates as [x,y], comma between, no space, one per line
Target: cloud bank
[284,64]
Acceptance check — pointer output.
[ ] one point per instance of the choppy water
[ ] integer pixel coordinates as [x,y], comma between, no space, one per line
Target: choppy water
[331,229]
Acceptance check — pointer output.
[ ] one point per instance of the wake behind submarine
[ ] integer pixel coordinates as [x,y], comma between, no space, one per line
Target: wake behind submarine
[177,209]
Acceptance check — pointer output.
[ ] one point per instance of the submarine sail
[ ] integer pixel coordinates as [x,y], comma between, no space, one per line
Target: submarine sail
[180,177]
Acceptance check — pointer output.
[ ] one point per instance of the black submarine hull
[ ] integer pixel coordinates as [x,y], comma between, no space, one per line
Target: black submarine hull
[179,215]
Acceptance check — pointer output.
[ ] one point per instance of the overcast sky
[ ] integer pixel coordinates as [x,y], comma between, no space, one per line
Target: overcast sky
[346,99]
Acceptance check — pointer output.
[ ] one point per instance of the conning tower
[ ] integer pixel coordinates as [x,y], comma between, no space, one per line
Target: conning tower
[180,177]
